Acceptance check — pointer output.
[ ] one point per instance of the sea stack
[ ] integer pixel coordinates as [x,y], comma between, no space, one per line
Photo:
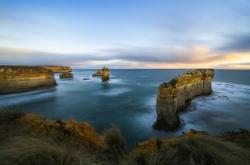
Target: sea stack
[23,78]
[174,96]
[105,74]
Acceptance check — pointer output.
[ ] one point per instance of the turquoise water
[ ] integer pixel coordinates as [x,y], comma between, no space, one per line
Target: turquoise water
[128,102]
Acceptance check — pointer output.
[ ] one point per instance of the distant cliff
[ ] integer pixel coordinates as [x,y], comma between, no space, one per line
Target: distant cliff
[174,96]
[23,78]
[58,69]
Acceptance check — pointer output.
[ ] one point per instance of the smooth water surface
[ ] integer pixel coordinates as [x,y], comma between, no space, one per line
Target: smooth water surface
[128,101]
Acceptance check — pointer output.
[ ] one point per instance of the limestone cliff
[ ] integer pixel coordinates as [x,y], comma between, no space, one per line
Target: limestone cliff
[58,69]
[23,78]
[174,96]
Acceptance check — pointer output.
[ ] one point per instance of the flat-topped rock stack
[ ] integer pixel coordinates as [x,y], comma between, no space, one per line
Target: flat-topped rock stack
[23,78]
[174,96]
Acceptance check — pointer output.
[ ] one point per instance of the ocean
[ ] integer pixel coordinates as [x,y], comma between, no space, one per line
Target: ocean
[128,102]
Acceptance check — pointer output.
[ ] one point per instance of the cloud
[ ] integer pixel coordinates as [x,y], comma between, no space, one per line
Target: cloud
[236,43]
[132,54]
[193,57]
[7,37]
[160,54]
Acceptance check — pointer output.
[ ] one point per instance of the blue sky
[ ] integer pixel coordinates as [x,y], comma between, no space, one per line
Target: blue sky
[126,33]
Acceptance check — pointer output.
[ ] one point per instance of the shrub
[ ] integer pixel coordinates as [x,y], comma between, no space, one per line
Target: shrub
[113,141]
[10,116]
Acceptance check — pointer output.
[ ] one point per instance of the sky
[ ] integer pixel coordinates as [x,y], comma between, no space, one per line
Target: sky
[126,33]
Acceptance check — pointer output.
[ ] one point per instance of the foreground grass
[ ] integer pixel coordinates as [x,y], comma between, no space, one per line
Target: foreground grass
[28,139]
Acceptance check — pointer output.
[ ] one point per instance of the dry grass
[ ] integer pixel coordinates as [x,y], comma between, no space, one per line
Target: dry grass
[28,139]
[190,150]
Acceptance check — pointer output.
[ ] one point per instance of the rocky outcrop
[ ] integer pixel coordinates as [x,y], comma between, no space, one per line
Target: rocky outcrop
[58,69]
[23,78]
[104,74]
[174,96]
[66,75]
[98,73]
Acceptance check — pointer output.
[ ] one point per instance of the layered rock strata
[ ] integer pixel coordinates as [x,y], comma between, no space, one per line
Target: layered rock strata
[23,78]
[174,96]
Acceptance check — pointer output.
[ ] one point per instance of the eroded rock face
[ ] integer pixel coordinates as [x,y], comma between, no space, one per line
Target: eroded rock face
[174,96]
[23,78]
[58,69]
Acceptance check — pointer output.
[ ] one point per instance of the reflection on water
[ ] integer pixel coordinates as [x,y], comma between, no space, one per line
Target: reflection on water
[128,101]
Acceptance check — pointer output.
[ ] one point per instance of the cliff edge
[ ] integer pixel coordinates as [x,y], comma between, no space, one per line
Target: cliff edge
[23,78]
[58,69]
[173,97]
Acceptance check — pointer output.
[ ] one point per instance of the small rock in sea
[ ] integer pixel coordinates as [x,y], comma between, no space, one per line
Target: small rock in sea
[98,73]
[66,75]
[85,78]
[104,74]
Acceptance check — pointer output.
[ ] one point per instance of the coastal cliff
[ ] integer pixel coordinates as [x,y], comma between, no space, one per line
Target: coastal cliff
[174,96]
[23,78]
[58,69]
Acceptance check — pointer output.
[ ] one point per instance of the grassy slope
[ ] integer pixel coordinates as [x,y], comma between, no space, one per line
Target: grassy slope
[191,149]
[28,139]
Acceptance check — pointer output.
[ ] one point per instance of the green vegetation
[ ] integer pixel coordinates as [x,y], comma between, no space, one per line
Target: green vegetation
[171,83]
[28,139]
